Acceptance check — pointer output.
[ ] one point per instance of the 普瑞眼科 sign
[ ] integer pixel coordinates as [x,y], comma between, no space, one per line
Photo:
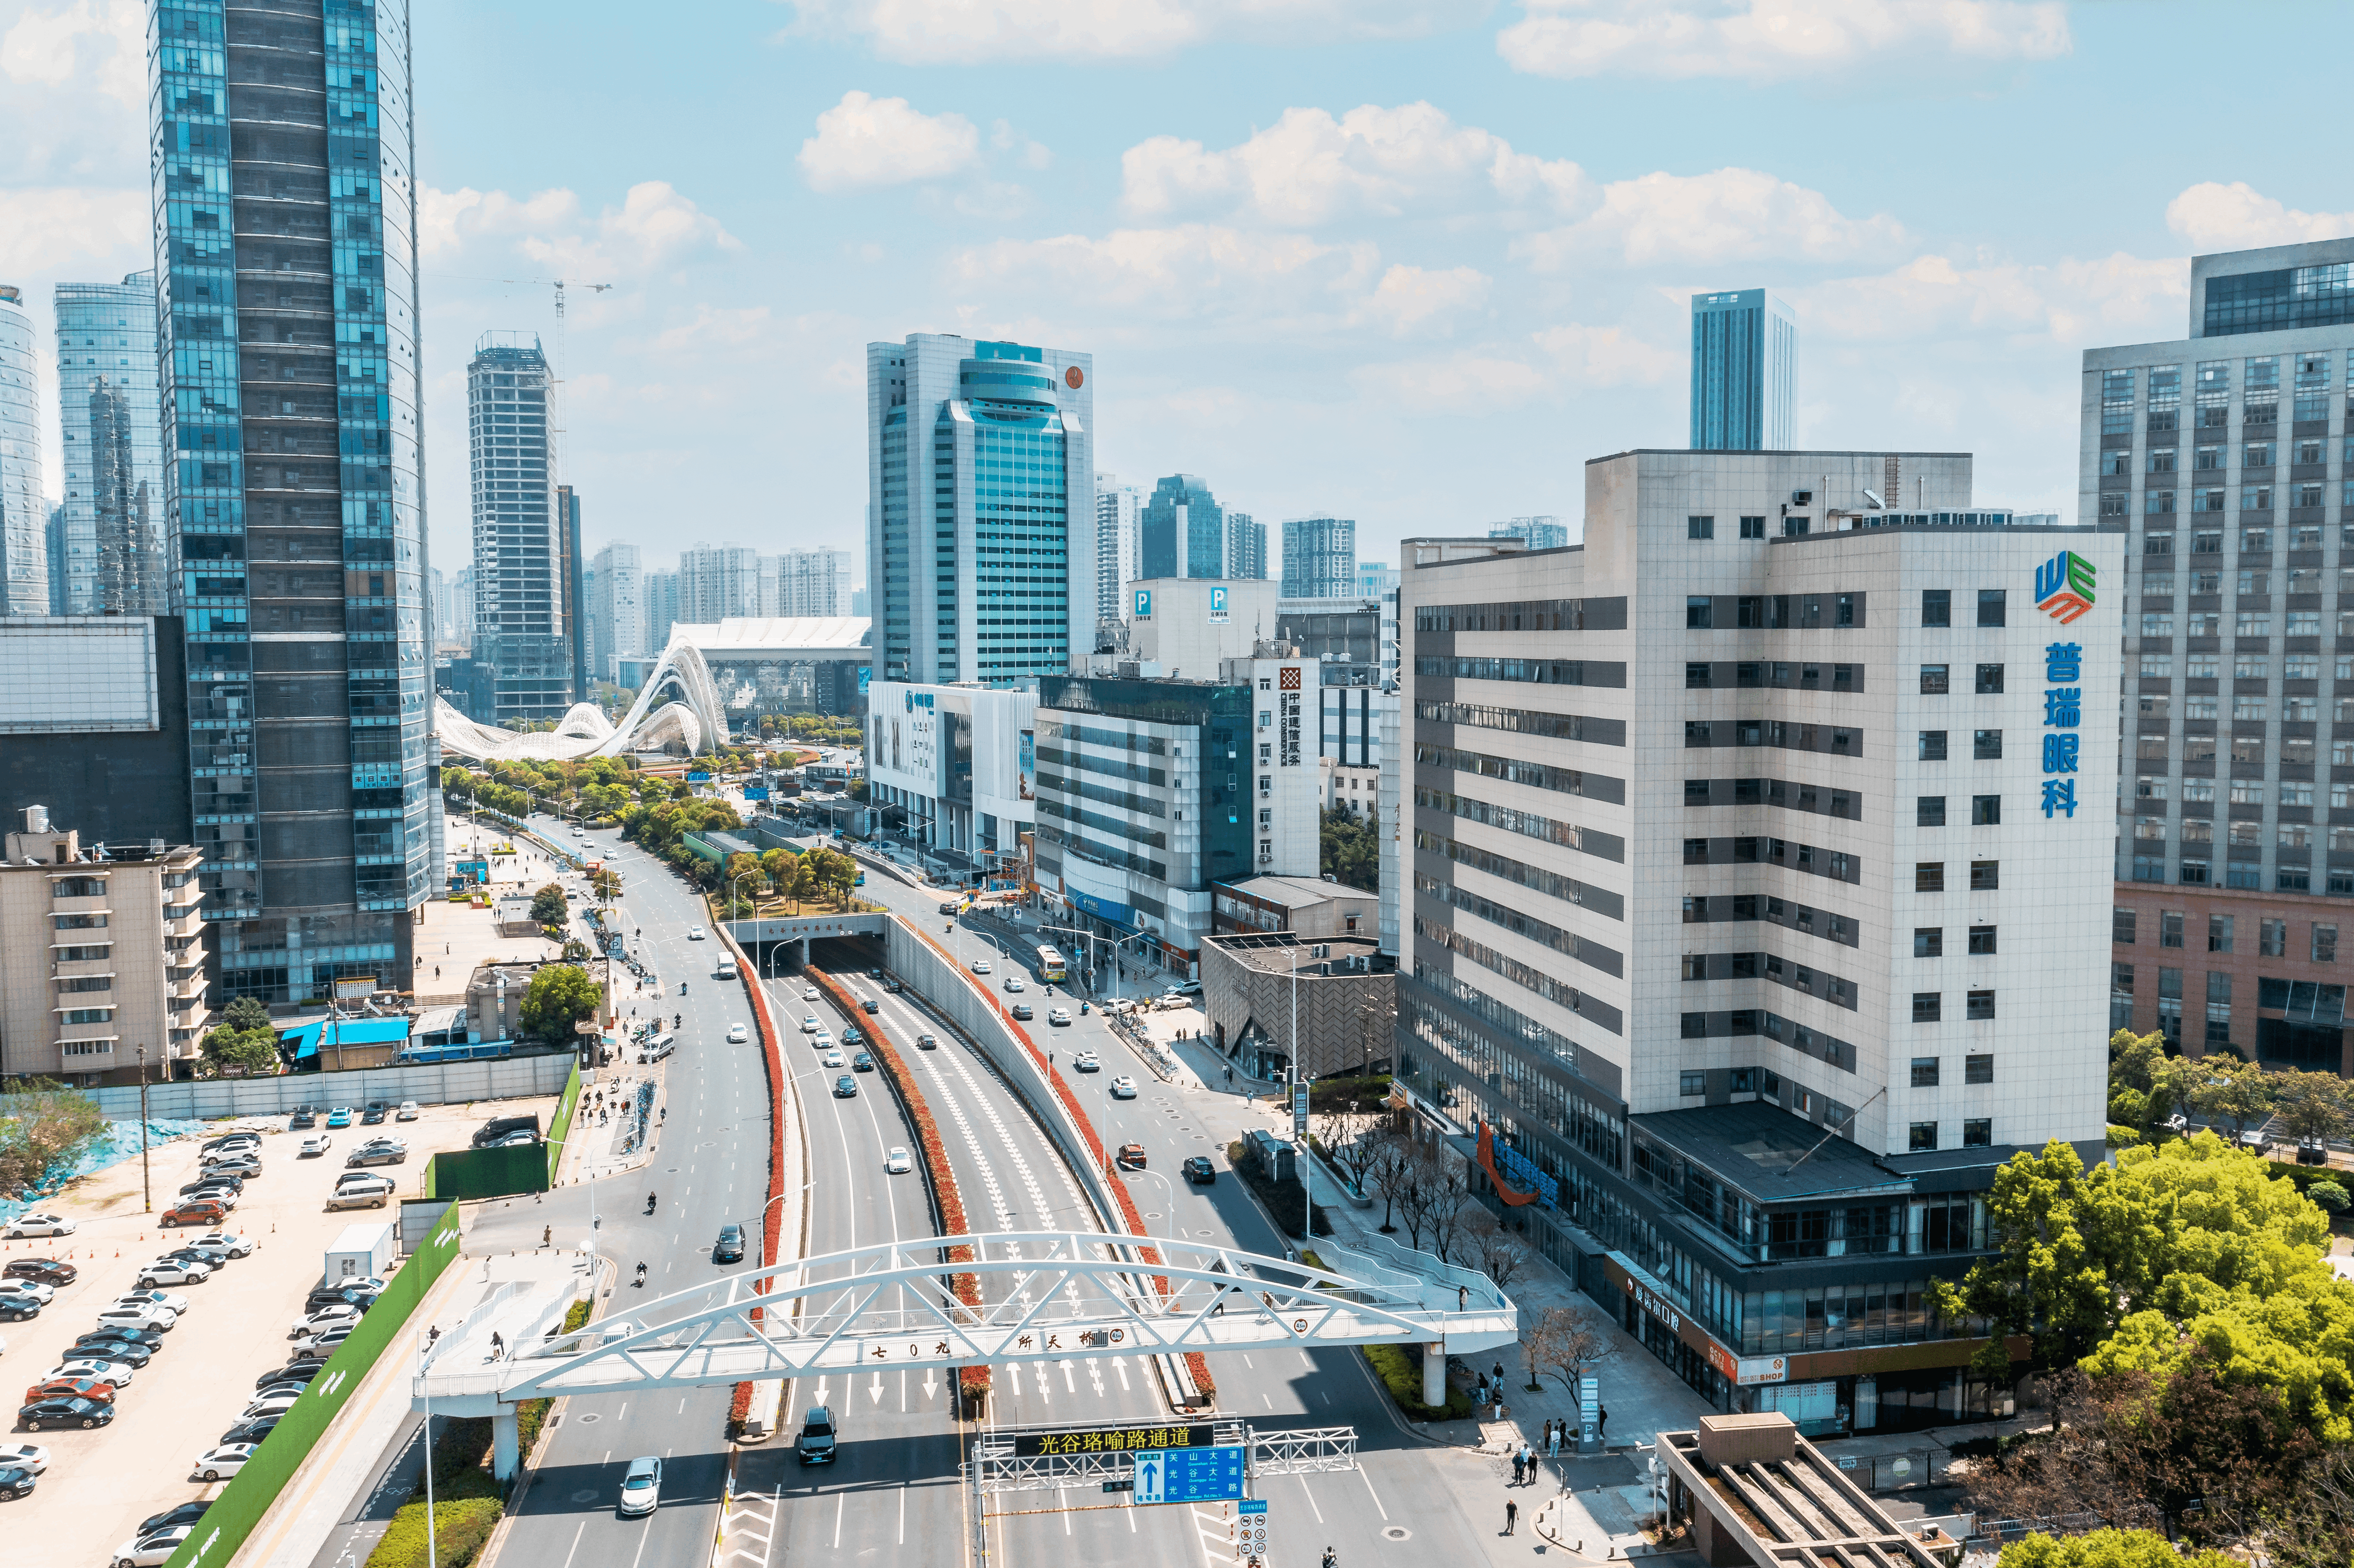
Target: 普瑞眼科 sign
[2064,586]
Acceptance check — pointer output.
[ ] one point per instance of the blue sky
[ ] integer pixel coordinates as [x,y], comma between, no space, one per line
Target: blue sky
[1409,261]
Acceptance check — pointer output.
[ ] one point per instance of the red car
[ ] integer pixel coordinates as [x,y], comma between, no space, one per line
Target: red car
[195,1211]
[44,1270]
[95,1389]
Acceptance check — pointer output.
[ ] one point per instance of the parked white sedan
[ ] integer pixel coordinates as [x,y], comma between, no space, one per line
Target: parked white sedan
[24,1456]
[318,1143]
[174,1271]
[41,1226]
[219,1464]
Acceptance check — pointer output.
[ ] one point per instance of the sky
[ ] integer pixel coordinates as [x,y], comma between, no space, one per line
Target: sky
[1408,261]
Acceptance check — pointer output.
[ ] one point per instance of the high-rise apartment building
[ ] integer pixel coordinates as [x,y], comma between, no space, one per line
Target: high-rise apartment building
[1536,532]
[1757,867]
[523,652]
[980,456]
[1246,547]
[1118,511]
[1744,372]
[617,610]
[572,573]
[662,612]
[716,582]
[1376,579]
[458,611]
[286,223]
[108,388]
[23,502]
[2223,457]
[1319,557]
[1183,530]
[812,585]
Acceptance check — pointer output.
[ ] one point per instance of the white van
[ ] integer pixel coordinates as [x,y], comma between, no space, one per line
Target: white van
[726,969]
[657,1048]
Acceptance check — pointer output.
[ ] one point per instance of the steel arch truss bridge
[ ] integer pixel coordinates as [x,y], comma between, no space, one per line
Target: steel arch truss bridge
[1046,1295]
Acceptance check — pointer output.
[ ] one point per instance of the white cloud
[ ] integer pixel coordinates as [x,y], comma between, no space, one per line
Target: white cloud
[1467,383]
[1237,278]
[1607,356]
[653,229]
[2069,303]
[1727,216]
[1310,168]
[865,142]
[1762,40]
[44,230]
[2236,218]
[959,32]
[47,47]
[73,94]
[1412,301]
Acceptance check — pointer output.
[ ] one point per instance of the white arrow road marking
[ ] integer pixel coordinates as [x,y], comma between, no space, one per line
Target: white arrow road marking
[1119,1365]
[1094,1375]
[821,1390]
[875,1392]
[1069,1385]
[931,1383]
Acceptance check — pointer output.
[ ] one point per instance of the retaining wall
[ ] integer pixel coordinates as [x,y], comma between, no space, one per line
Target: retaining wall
[430,1084]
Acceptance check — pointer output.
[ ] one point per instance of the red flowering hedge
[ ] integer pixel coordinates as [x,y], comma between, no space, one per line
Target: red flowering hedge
[1196,1365]
[945,1197]
[739,1407]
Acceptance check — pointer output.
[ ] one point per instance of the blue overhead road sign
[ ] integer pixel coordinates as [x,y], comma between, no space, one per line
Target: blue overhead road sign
[1189,1475]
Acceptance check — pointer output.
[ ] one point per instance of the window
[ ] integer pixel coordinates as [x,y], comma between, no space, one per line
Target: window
[1924,1071]
[1700,527]
[1692,1083]
[1928,810]
[1928,1006]
[1978,1132]
[2219,933]
[1980,1005]
[2324,944]
[1936,607]
[1991,601]
[1986,745]
[1986,875]
[1929,876]
[1934,680]
[1924,1136]
[2121,921]
[1696,675]
[2272,938]
[1699,612]
[1929,941]
[1990,680]
[2169,928]
[1932,745]
[1980,1069]
[1752,527]
[1986,811]
[1981,941]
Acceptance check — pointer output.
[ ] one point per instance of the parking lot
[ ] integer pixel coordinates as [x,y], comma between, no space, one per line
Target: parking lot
[101,1484]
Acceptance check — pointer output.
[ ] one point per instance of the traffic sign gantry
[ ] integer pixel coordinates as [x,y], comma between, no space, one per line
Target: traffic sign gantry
[1189,1475]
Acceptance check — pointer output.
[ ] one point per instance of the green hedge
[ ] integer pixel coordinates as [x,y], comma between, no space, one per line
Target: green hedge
[1400,1370]
[460,1528]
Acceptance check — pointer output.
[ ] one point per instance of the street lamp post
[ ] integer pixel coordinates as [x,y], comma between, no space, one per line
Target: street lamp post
[147,1183]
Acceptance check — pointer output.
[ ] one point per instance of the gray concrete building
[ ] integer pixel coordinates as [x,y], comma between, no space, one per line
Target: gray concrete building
[1279,999]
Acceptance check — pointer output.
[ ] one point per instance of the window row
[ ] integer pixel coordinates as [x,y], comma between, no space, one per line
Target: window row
[2152,788]
[2207,540]
[2117,463]
[2244,623]
[1837,864]
[1929,941]
[1701,909]
[1929,1006]
[1929,811]
[2299,837]
[1986,745]
[1937,680]
[1836,739]
[2250,580]
[1978,1132]
[1780,792]
[1772,967]
[1750,527]
[1773,612]
[2337,881]
[1929,876]
[1976,1069]
[1701,675]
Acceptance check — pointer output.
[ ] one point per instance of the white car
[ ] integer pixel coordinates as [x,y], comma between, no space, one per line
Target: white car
[833,1059]
[29,1289]
[822,1040]
[1123,1088]
[738,1034]
[227,1241]
[326,1339]
[325,1318]
[41,1226]
[24,1456]
[1087,1062]
[809,993]
[896,1163]
[118,1373]
[694,933]
[172,1301]
[810,1025]
[407,1111]
[149,1551]
[1058,1015]
[642,1486]
[269,1405]
[981,966]
[138,1318]
[174,1271]
[219,1464]
[318,1143]
[1013,982]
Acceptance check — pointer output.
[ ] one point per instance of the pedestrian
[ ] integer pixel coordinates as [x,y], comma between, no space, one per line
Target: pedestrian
[1500,1375]
[1517,1466]
[1463,1299]
[547,1235]
[1602,1423]
[1529,1459]
[498,1345]
[1511,1515]
[1553,1439]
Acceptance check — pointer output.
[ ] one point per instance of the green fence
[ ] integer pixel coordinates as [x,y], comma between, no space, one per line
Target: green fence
[488,1172]
[560,1126]
[251,1493]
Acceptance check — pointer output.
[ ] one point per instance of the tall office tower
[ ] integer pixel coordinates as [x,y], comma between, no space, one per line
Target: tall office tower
[54,547]
[437,624]
[813,584]
[979,456]
[719,581]
[617,610]
[285,222]
[1863,772]
[1376,579]
[1537,532]
[523,655]
[1319,557]
[458,611]
[573,574]
[24,508]
[1744,372]
[661,591]
[107,373]
[1183,530]
[2223,456]
[1246,547]
[1117,508]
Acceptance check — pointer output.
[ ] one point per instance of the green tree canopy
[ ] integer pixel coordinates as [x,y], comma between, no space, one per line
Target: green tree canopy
[2108,1549]
[251,1051]
[548,907]
[1352,848]
[44,1124]
[559,996]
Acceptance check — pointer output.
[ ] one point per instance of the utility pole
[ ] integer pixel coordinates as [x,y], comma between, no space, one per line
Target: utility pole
[146,1181]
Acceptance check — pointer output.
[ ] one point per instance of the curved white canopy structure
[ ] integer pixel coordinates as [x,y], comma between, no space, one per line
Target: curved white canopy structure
[694,719]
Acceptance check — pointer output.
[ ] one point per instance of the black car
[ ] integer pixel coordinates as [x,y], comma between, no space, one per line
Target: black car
[374,1114]
[99,1349]
[302,1369]
[1022,1011]
[16,1308]
[15,1481]
[1199,1171]
[123,1334]
[42,1270]
[894,986]
[253,1431]
[304,1116]
[234,1184]
[925,1043]
[730,1246]
[346,1296]
[862,1062]
[44,1414]
[172,1519]
[850,1037]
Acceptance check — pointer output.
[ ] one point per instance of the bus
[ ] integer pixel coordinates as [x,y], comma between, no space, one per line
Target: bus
[1048,961]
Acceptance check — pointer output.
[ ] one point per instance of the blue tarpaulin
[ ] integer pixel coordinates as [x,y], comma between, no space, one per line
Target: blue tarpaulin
[308,1039]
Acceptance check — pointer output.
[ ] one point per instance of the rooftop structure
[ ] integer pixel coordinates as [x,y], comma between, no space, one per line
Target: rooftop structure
[1757,1492]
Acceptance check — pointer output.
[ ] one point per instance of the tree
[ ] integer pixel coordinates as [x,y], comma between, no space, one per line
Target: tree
[1450,1207]
[608,885]
[1353,1139]
[248,1050]
[1573,1344]
[2241,1092]
[549,907]
[45,1125]
[559,996]
[2310,1105]
[1492,1248]
[1392,1169]
[1351,848]
[246,1012]
[1417,1191]
[2107,1549]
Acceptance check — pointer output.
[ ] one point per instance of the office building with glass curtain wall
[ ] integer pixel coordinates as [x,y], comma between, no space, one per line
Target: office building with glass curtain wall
[522,587]
[285,227]
[980,456]
[2227,457]
[1744,372]
[113,558]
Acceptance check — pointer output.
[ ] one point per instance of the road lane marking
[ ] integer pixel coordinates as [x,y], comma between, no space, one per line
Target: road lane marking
[576,1542]
[839,1500]
[1377,1496]
[1066,1503]
[903,1513]
[1312,1501]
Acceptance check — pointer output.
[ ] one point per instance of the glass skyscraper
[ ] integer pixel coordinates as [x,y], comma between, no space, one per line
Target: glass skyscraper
[24,509]
[1744,372]
[979,457]
[286,223]
[524,658]
[108,389]
[1183,530]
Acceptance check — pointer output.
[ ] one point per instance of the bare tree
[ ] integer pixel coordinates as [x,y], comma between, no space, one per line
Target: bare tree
[1392,1169]
[1492,1247]
[1418,1192]
[1574,1344]
[1538,1336]
[1353,1140]
[1450,1207]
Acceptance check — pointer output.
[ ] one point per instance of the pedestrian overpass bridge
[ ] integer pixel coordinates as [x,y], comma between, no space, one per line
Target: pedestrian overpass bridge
[1042,1296]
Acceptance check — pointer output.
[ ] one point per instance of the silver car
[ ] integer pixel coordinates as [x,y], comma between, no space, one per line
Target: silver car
[641,1487]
